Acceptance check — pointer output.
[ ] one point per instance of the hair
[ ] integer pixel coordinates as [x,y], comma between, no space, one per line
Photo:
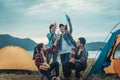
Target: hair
[61,25]
[82,40]
[51,27]
[39,46]
[37,49]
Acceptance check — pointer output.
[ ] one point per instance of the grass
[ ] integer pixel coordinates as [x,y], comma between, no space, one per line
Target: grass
[18,77]
[36,76]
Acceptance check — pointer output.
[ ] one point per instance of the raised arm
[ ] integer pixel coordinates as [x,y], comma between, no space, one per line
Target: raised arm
[54,45]
[70,26]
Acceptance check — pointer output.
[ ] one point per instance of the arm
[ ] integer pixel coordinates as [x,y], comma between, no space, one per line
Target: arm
[38,60]
[70,26]
[39,64]
[72,40]
[51,49]
[54,45]
[44,67]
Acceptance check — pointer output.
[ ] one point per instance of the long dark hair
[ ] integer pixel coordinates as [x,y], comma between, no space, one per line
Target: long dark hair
[37,49]
[50,27]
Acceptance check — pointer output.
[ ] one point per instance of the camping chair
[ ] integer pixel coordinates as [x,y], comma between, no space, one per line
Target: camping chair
[73,74]
[82,77]
[42,76]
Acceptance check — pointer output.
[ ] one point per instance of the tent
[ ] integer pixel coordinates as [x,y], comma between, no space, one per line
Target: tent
[16,58]
[109,59]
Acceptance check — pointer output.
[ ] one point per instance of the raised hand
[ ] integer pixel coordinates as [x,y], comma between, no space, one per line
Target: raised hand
[55,25]
[57,37]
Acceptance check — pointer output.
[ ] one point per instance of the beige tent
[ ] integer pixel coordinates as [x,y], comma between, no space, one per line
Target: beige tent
[13,57]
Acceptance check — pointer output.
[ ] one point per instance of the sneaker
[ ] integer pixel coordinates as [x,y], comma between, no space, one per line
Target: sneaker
[54,78]
[77,78]
[67,78]
[58,78]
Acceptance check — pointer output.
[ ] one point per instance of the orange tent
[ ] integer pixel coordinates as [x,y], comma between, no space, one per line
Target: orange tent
[108,60]
[16,58]
[115,58]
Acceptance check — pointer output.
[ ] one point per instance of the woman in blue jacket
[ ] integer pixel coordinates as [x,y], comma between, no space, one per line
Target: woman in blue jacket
[51,38]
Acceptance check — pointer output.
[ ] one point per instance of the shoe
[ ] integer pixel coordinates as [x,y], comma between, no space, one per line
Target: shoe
[58,78]
[54,78]
[67,78]
[77,78]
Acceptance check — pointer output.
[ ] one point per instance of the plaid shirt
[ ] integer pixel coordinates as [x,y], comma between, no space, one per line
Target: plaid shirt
[39,58]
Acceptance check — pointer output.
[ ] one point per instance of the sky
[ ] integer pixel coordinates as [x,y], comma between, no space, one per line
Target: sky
[92,19]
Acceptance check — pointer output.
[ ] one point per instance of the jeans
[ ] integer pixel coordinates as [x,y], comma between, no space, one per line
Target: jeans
[54,65]
[54,54]
[68,66]
[64,58]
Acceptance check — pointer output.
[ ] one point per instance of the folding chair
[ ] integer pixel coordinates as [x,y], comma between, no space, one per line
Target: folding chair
[42,76]
[73,75]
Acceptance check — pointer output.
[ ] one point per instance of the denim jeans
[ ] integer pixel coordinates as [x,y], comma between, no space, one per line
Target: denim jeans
[53,54]
[64,58]
[68,66]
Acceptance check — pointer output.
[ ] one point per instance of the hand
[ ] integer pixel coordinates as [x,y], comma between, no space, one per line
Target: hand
[55,25]
[72,54]
[72,60]
[57,37]
[56,40]
[45,64]
[44,67]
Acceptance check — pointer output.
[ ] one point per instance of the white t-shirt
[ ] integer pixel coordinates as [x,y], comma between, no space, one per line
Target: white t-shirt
[65,47]
[44,58]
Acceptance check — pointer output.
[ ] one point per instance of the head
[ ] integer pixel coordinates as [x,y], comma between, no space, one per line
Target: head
[41,47]
[81,42]
[52,28]
[62,28]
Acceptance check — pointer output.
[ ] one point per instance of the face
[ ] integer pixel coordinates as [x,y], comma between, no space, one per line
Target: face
[44,48]
[53,29]
[62,29]
[79,44]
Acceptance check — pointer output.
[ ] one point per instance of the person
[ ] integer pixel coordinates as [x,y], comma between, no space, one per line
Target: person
[78,60]
[51,38]
[41,60]
[64,45]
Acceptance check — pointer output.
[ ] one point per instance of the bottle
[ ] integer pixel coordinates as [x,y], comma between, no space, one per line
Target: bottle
[58,33]
[67,17]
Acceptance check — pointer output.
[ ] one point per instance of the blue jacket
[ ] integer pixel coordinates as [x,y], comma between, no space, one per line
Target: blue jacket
[66,38]
[51,37]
